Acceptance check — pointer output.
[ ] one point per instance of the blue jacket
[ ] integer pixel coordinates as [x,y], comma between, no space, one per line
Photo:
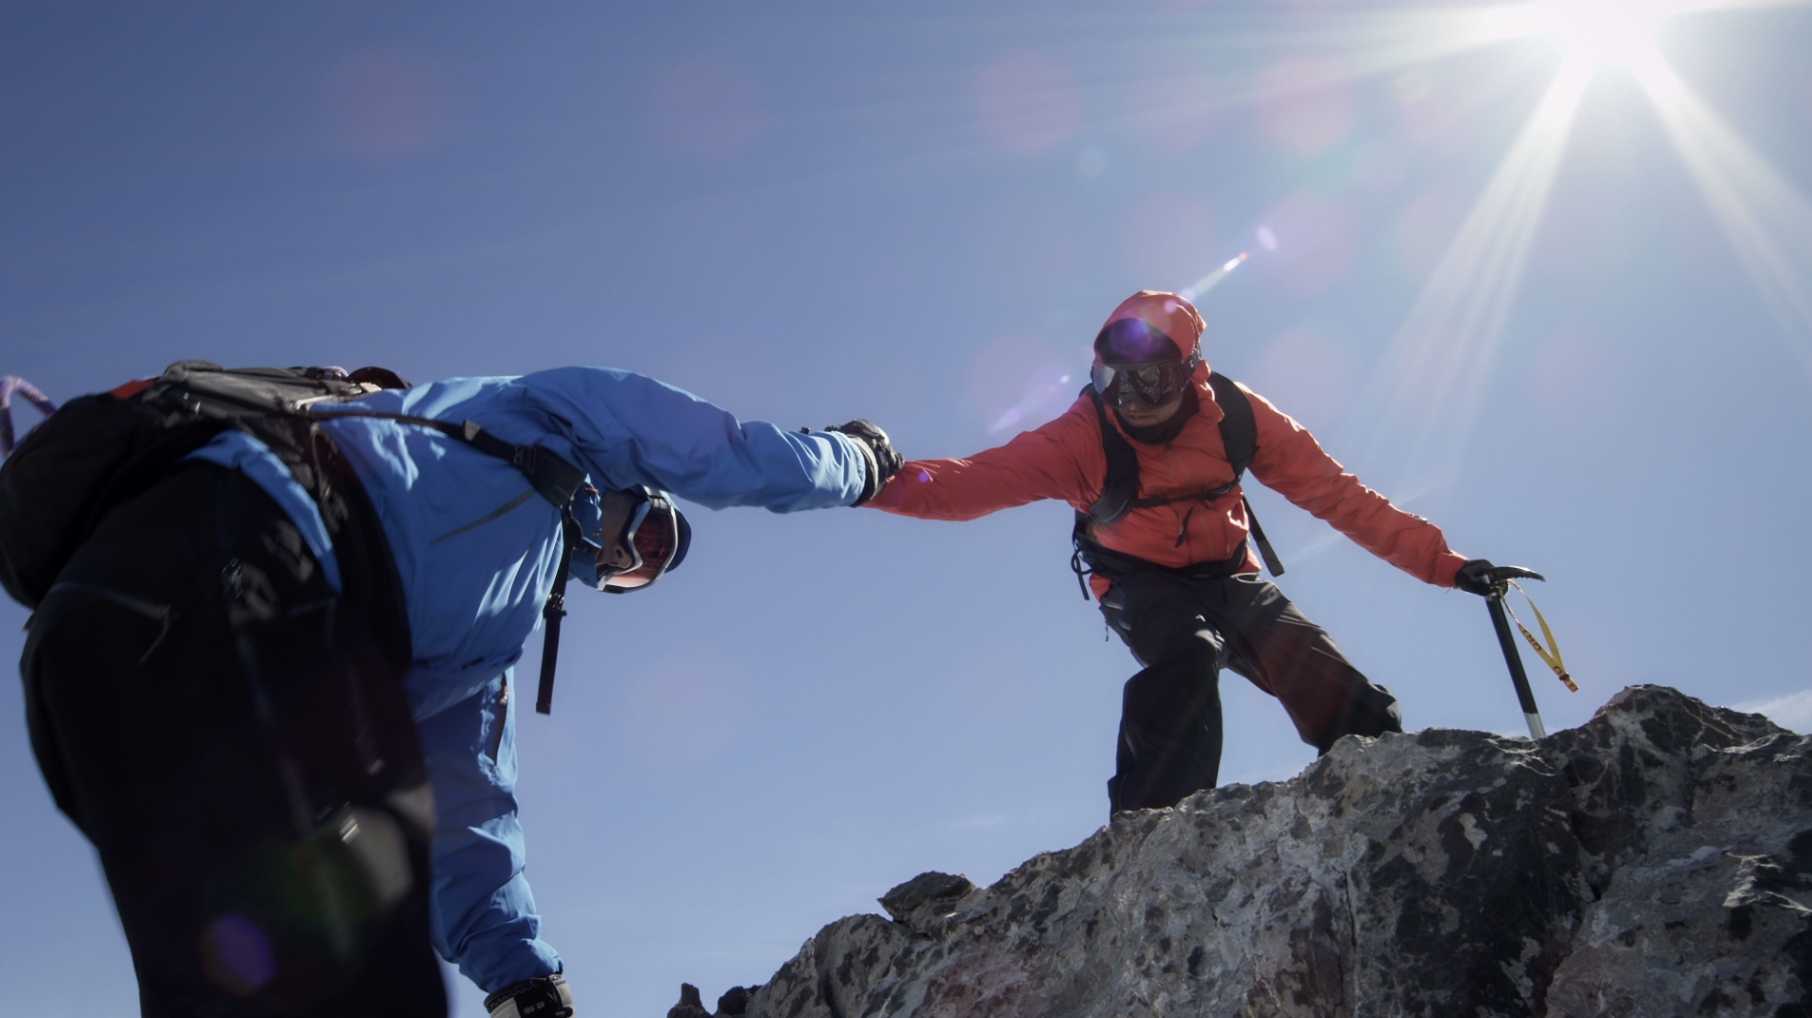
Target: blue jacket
[477,562]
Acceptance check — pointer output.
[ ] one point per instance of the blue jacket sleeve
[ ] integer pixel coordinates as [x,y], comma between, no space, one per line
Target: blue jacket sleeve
[630,429]
[482,911]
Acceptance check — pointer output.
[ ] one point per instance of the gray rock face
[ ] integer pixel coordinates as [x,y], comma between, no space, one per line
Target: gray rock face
[1655,861]
[927,902]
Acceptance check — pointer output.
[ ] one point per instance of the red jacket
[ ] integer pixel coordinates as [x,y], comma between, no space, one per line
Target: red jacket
[1063,460]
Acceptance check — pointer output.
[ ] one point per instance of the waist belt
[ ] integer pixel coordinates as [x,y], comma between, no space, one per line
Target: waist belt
[1115,565]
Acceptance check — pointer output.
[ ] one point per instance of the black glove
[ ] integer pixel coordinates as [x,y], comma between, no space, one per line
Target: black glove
[884,458]
[541,997]
[1475,578]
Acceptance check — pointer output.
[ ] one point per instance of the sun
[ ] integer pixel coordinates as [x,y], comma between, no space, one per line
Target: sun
[1600,35]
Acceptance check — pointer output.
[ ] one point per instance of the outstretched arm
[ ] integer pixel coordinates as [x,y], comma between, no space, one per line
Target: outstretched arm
[1061,459]
[629,429]
[483,912]
[1290,461]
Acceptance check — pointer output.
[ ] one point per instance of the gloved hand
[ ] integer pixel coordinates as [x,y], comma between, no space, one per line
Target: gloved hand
[1475,578]
[541,997]
[886,460]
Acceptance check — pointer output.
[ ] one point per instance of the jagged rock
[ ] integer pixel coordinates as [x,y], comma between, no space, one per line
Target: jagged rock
[734,1002]
[690,1004]
[1654,861]
[925,903]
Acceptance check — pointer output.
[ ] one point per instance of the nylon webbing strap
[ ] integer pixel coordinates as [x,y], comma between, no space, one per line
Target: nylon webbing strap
[1550,654]
[1120,483]
[1120,487]
[553,611]
[1205,495]
[553,479]
[1239,431]
[1265,551]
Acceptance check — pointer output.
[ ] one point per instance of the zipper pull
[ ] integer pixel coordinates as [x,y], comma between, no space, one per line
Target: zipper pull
[1183,527]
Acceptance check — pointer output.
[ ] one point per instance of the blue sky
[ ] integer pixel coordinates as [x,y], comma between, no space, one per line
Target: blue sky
[1568,319]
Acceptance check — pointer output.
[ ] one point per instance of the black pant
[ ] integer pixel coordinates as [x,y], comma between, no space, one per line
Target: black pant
[223,730]
[1184,629]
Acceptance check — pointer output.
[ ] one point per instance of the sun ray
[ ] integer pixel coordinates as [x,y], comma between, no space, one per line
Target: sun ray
[1382,39]
[1766,221]
[1334,50]
[1694,6]
[1434,372]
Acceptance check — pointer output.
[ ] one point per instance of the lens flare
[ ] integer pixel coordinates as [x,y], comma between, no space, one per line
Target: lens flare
[1215,278]
[237,955]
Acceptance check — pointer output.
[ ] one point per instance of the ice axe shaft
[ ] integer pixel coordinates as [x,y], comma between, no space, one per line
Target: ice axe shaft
[1500,578]
[1531,714]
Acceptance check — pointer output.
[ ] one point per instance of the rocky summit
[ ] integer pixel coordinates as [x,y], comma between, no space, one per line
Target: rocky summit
[1655,861]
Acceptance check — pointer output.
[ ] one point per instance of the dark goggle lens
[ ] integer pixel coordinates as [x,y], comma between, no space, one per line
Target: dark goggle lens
[1149,384]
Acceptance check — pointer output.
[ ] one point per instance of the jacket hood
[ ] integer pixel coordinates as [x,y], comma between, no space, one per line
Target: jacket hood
[1171,314]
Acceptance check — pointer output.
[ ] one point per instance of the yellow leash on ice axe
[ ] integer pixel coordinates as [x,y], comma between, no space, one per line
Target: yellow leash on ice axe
[1550,654]
[1502,579]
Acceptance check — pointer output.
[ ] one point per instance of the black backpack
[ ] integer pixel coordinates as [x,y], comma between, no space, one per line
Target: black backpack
[96,452]
[1120,488]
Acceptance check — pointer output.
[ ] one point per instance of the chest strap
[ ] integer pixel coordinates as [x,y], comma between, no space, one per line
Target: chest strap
[1120,486]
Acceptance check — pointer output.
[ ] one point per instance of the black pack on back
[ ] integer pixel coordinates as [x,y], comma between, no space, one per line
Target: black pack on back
[1120,488]
[97,451]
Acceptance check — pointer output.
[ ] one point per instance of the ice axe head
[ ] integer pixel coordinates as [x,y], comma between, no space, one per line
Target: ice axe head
[1500,576]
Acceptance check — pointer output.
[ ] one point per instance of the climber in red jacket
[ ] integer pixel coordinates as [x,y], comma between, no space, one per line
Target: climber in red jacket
[1162,535]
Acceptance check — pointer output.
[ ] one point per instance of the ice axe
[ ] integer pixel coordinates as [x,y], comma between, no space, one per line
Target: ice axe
[1500,578]
[10,384]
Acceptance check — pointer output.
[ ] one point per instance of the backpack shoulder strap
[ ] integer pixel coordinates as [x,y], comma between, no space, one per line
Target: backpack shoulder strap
[1239,432]
[1121,484]
[1119,489]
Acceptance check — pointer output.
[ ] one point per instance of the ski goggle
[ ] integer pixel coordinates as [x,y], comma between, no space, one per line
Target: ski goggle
[1153,383]
[645,536]
[1137,363]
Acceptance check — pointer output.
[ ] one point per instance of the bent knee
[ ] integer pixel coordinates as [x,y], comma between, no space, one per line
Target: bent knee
[1176,687]
[1371,711]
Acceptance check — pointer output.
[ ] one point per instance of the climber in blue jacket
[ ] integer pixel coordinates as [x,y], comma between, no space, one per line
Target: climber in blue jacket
[249,597]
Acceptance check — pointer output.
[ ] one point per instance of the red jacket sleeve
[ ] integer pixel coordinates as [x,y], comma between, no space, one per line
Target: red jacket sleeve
[1060,459]
[1291,462]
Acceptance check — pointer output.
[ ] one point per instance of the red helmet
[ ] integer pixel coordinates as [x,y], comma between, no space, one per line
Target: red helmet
[1149,350]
